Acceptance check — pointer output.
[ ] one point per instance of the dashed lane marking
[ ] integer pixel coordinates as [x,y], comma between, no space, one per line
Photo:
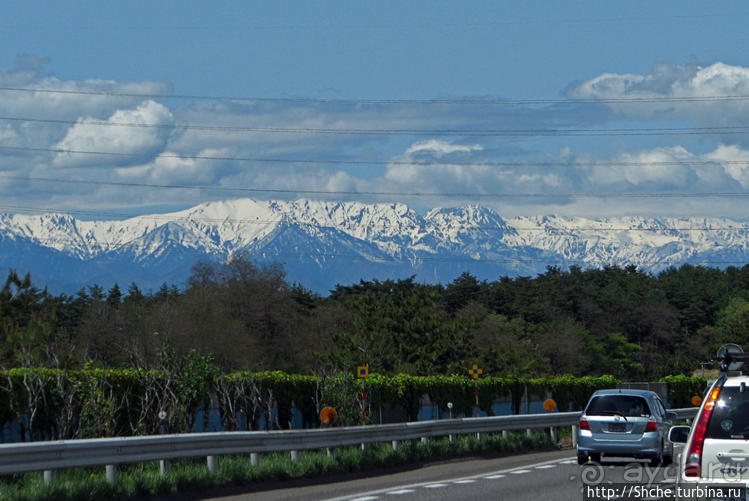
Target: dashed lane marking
[435,486]
[372,495]
[494,477]
[400,492]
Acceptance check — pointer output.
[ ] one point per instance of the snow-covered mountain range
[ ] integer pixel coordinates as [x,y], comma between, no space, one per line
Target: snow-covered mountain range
[323,243]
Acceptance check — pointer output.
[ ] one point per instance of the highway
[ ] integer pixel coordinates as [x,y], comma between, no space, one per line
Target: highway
[549,475]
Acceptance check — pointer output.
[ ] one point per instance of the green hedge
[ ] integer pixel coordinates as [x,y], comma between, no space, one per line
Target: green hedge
[681,389]
[93,402]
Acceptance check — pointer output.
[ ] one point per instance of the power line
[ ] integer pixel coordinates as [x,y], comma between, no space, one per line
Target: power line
[634,131]
[428,163]
[387,193]
[359,26]
[448,101]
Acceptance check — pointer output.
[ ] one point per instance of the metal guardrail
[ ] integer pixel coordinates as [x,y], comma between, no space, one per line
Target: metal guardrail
[60,454]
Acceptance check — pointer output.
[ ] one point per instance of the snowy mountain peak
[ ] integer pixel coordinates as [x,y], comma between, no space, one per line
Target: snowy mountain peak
[321,243]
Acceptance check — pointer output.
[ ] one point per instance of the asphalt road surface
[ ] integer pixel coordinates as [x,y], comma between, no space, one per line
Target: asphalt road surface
[532,477]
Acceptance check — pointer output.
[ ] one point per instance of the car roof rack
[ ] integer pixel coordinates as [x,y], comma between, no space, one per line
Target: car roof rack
[732,359]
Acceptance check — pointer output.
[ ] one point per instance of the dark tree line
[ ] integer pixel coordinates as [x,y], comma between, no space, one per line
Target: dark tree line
[585,322]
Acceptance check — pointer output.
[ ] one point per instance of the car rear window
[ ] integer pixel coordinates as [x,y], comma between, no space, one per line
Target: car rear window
[625,405]
[730,418]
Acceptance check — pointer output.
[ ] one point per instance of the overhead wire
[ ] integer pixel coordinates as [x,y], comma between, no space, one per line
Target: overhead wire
[563,132]
[408,162]
[388,193]
[620,131]
[425,101]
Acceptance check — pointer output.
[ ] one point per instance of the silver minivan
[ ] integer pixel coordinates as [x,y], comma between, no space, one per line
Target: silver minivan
[625,423]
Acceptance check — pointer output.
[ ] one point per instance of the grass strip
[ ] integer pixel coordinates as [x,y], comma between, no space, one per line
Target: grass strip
[142,480]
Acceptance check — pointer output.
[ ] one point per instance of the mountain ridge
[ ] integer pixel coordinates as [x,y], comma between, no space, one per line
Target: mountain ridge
[324,243]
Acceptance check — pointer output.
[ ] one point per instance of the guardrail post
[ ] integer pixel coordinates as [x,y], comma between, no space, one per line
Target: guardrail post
[255,459]
[478,436]
[165,466]
[112,474]
[529,432]
[451,437]
[395,444]
[212,462]
[574,435]
[363,446]
[294,456]
[330,451]
[424,440]
[49,477]
[553,434]
[505,434]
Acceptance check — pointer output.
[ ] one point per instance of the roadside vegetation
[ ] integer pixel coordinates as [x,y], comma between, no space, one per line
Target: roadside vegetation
[616,321]
[143,480]
[106,362]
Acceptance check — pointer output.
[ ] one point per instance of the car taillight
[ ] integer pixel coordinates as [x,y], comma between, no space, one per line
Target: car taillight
[652,425]
[584,424]
[693,466]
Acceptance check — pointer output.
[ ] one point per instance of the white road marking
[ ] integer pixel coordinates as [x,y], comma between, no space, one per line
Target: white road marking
[520,472]
[366,498]
[400,491]
[366,495]
[435,486]
[464,481]
[494,477]
[546,466]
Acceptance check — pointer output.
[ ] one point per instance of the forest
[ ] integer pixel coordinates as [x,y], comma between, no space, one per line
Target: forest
[617,321]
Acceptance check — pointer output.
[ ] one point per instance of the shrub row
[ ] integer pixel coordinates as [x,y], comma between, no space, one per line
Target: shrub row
[57,404]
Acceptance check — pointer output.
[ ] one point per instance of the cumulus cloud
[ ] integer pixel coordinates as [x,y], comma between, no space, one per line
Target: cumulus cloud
[471,172]
[688,91]
[439,148]
[735,162]
[66,99]
[120,134]
[654,169]
[670,169]
[239,131]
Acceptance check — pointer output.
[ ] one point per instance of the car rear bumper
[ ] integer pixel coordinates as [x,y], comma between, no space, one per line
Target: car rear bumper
[647,446]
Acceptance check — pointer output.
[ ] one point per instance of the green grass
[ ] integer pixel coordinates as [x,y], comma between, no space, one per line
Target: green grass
[143,480]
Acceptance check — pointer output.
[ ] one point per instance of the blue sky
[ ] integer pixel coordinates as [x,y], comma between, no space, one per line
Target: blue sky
[578,108]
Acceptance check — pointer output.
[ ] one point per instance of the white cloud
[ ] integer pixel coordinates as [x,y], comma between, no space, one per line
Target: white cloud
[675,81]
[439,148]
[710,164]
[115,137]
[67,99]
[652,169]
[735,162]
[718,79]
[472,173]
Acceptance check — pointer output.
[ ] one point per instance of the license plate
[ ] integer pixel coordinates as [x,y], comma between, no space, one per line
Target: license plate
[617,427]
